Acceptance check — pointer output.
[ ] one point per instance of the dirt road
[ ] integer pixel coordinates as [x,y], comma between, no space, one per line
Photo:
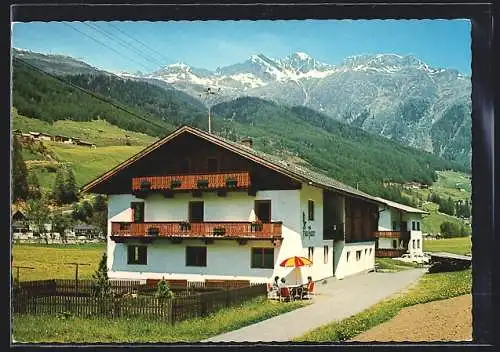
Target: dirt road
[445,320]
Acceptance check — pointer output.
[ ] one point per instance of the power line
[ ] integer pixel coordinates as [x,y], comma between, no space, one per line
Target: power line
[89,93]
[121,42]
[138,41]
[98,41]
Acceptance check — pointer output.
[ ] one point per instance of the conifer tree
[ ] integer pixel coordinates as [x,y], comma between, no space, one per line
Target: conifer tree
[101,285]
[70,189]
[20,188]
[58,189]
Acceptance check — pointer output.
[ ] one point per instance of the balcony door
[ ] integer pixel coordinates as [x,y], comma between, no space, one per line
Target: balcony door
[263,210]
[196,211]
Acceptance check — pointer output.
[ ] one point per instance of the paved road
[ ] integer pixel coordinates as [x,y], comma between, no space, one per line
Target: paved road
[335,300]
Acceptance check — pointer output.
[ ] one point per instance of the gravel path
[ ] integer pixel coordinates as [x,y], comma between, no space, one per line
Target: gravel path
[445,320]
[335,300]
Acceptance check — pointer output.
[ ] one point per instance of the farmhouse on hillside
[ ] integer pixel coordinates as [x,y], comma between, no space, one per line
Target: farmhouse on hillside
[195,206]
[399,230]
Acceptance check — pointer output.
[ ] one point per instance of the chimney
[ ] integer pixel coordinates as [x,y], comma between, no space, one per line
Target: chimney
[247,142]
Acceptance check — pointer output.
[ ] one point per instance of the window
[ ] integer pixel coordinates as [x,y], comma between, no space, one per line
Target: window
[137,211]
[212,165]
[413,244]
[394,226]
[370,251]
[137,255]
[347,256]
[185,165]
[394,243]
[418,243]
[358,255]
[262,258]
[366,251]
[310,253]
[196,256]
[418,225]
[413,226]
[310,210]
[196,211]
[263,210]
[325,254]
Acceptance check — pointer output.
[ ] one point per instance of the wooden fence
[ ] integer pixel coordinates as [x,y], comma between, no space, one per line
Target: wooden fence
[179,308]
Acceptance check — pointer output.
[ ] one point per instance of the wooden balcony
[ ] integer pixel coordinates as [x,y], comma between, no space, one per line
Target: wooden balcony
[389,252]
[222,230]
[215,181]
[403,235]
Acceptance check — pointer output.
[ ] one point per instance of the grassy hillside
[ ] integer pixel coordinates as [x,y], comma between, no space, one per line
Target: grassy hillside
[347,154]
[99,132]
[86,163]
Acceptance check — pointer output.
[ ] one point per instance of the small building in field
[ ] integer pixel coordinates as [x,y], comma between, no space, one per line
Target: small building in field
[86,230]
[19,222]
[399,230]
[196,206]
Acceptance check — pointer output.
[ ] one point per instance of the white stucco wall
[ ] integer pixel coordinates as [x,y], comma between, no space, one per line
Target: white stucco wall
[344,267]
[386,217]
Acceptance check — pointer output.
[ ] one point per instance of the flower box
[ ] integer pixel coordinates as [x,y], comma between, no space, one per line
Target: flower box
[202,183]
[231,182]
[219,231]
[145,185]
[175,184]
[255,227]
[153,231]
[185,226]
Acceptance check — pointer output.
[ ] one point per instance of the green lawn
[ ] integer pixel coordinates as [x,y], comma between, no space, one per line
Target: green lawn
[91,330]
[389,264]
[459,245]
[431,287]
[49,260]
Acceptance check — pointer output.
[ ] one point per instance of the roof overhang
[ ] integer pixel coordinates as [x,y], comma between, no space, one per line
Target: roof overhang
[219,142]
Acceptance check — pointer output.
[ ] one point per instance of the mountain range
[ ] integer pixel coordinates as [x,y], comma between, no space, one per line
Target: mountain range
[398,97]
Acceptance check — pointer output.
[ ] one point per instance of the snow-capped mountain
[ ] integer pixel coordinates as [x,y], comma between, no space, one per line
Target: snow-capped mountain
[397,96]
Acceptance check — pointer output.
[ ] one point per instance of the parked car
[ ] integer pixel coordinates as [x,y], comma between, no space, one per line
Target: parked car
[404,258]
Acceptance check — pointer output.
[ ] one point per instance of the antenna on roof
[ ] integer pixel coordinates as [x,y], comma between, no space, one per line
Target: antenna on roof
[207,93]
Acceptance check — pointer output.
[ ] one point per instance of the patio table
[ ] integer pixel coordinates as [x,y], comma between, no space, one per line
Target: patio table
[296,290]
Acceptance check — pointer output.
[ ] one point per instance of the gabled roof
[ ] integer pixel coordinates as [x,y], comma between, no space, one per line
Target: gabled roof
[402,207]
[294,171]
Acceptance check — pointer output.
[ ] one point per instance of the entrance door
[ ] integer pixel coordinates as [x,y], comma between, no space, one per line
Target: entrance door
[263,210]
[196,211]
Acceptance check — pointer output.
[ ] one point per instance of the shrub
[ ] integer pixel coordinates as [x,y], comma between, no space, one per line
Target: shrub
[163,291]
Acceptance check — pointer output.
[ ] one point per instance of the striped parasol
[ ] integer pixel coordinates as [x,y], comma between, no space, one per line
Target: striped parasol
[296,262]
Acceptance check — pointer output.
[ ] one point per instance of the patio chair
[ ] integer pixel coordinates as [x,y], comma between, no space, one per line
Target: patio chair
[285,294]
[308,292]
[272,293]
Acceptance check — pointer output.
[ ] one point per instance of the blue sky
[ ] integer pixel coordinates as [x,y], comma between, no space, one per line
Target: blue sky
[209,44]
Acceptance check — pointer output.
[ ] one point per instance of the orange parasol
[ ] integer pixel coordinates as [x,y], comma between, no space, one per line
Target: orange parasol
[295,262]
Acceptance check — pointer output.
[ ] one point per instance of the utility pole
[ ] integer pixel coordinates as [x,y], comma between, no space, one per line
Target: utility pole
[76,272]
[207,93]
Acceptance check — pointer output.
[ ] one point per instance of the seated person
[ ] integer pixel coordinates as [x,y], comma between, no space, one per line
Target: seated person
[275,283]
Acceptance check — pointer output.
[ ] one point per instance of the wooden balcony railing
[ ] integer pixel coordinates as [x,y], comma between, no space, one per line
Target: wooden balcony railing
[197,230]
[404,235]
[190,182]
[389,252]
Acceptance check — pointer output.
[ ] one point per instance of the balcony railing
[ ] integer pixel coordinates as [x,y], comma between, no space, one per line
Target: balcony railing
[389,252]
[197,230]
[237,180]
[403,235]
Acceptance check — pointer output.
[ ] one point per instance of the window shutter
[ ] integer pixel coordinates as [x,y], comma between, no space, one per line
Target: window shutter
[143,255]
[131,254]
